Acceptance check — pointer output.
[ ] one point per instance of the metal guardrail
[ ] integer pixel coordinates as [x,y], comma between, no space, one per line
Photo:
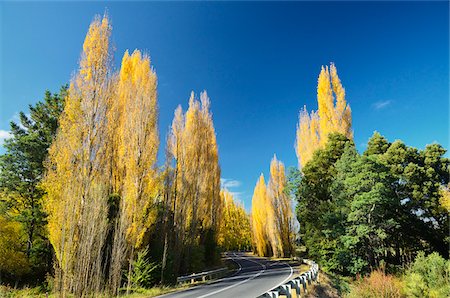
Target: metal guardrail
[202,275]
[298,285]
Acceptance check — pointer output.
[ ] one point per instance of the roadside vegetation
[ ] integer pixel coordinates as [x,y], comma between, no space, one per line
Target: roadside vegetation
[86,210]
[378,219]
[84,207]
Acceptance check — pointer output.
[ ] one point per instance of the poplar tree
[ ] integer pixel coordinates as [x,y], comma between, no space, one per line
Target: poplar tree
[136,178]
[333,115]
[281,205]
[260,218]
[195,193]
[76,181]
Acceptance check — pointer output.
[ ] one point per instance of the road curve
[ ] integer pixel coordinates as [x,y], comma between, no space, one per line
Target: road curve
[254,277]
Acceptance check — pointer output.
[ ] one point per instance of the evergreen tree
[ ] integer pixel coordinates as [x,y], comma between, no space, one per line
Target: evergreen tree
[21,172]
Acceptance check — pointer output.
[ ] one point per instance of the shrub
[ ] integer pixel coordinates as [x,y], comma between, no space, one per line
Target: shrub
[377,285]
[428,276]
[13,261]
[144,273]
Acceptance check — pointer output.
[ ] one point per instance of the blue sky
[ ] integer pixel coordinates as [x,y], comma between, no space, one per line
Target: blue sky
[259,63]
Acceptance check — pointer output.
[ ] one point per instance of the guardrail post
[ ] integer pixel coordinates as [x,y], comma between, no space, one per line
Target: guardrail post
[286,290]
[272,294]
[295,284]
[303,281]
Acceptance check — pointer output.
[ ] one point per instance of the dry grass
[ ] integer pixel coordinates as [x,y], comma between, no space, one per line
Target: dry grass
[377,285]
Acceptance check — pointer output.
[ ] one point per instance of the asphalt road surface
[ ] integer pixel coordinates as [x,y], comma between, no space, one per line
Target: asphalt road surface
[253,277]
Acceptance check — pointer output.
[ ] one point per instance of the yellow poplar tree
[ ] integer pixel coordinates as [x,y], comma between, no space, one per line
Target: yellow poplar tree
[342,116]
[260,218]
[135,131]
[76,183]
[307,135]
[196,202]
[281,204]
[333,115]
[265,235]
[139,142]
[102,179]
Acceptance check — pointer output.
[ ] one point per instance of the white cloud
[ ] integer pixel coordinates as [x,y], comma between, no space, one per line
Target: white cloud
[4,135]
[381,104]
[229,183]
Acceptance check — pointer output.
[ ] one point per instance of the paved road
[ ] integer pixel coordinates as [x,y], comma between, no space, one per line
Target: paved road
[254,277]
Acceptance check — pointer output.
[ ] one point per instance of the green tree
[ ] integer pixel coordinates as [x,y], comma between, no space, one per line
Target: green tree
[419,176]
[362,186]
[319,215]
[21,171]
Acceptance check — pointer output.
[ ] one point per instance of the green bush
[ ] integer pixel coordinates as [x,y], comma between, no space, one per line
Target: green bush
[428,276]
[144,273]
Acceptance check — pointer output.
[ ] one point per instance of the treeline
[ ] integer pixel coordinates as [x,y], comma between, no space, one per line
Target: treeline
[83,199]
[359,212]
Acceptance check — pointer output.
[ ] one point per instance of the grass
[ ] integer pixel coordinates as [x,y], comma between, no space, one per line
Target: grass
[8,292]
[155,291]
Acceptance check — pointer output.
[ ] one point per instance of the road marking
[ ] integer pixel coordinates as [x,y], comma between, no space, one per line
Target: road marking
[239,283]
[240,267]
[287,278]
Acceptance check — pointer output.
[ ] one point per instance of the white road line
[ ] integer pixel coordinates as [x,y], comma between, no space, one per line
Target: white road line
[287,278]
[239,283]
[240,267]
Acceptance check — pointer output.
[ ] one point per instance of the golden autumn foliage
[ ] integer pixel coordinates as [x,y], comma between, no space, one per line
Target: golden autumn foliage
[333,115]
[234,233]
[139,141]
[261,217]
[101,178]
[135,140]
[194,194]
[445,198]
[281,204]
[272,216]
[76,182]
[12,259]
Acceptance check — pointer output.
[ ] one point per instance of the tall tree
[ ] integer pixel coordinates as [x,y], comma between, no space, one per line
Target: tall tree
[362,184]
[261,217]
[333,115]
[135,119]
[281,204]
[196,202]
[77,184]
